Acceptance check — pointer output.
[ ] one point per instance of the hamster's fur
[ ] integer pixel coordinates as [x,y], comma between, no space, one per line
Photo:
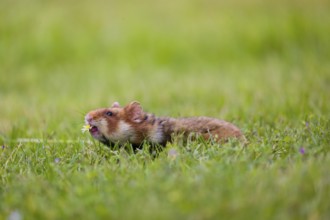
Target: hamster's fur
[131,124]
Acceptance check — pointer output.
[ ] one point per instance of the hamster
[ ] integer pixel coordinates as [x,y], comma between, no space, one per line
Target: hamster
[130,124]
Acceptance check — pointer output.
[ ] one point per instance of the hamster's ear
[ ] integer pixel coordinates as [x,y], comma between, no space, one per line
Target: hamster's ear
[115,105]
[134,112]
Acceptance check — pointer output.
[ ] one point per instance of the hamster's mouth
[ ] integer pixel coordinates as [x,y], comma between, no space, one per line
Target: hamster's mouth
[93,130]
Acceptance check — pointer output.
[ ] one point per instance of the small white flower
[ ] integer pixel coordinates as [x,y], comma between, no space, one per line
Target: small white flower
[85,128]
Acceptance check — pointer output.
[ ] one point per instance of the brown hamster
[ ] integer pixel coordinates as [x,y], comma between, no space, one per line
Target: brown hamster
[131,124]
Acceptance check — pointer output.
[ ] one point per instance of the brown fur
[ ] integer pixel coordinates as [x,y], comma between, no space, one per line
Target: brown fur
[132,124]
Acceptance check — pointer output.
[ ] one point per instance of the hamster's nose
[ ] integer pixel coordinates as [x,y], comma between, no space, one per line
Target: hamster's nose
[88,119]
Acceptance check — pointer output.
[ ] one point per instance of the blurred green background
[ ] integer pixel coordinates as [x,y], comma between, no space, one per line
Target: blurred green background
[263,65]
[237,59]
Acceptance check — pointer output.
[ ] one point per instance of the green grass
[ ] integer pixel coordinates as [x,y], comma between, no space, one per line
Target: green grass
[263,65]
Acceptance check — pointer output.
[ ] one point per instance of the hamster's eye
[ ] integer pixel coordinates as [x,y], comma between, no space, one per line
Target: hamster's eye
[109,113]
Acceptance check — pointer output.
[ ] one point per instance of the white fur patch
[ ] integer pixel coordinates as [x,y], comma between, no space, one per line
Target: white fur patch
[102,125]
[156,135]
[123,133]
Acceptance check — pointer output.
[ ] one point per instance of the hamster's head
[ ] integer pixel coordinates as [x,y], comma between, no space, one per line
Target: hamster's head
[115,124]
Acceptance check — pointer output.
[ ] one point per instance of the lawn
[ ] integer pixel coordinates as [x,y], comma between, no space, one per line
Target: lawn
[263,65]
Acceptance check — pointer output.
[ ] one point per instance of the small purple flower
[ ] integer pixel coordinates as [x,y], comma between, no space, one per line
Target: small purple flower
[172,153]
[3,147]
[302,150]
[307,124]
[57,160]
[15,215]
